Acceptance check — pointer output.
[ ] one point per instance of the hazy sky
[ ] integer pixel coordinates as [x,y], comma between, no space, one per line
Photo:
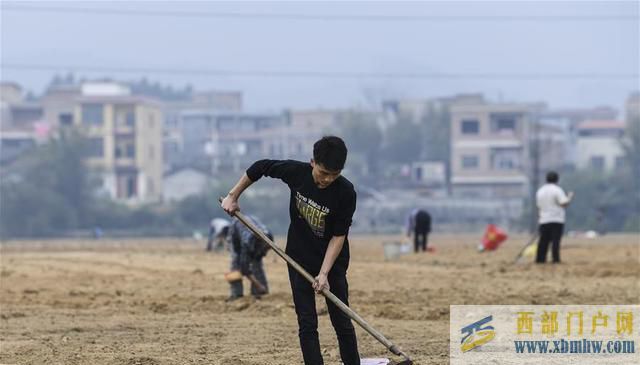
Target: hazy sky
[567,61]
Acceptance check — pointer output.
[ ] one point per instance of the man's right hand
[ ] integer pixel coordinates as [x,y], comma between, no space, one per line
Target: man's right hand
[230,205]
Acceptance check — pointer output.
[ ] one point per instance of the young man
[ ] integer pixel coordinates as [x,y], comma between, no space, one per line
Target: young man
[551,201]
[321,208]
[419,223]
[247,251]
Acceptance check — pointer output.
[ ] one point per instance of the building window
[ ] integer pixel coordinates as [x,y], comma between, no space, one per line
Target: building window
[469,162]
[92,114]
[470,127]
[65,119]
[95,147]
[503,126]
[131,187]
[130,119]
[150,187]
[125,115]
[597,163]
[608,132]
[506,158]
[131,150]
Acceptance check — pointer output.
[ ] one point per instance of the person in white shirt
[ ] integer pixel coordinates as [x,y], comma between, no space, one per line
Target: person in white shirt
[551,201]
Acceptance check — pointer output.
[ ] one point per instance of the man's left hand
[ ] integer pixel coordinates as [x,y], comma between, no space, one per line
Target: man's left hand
[321,282]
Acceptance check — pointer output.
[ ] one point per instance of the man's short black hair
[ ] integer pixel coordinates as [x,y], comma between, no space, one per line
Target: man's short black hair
[552,177]
[330,152]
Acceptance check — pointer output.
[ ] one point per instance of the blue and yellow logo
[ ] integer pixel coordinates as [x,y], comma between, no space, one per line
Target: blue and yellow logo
[477,334]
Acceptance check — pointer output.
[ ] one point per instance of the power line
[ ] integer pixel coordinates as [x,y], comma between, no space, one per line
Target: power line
[322,74]
[317,17]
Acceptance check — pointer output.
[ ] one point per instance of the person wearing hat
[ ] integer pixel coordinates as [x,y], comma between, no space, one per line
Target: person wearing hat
[218,229]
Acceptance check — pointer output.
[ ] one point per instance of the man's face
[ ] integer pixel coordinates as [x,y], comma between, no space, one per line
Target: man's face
[322,176]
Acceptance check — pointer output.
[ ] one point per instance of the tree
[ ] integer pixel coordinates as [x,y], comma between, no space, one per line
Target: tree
[404,141]
[631,146]
[603,202]
[49,191]
[363,137]
[31,210]
[435,134]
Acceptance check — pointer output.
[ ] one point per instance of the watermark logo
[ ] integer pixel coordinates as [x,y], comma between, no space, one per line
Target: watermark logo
[544,334]
[477,334]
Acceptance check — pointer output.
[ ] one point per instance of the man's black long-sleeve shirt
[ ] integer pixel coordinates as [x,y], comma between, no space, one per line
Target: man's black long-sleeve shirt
[316,214]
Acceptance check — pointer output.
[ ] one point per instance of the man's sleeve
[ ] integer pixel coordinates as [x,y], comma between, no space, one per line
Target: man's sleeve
[410,222]
[561,197]
[284,170]
[345,215]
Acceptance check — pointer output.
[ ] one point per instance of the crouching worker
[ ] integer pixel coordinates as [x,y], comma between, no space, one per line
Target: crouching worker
[218,229]
[247,252]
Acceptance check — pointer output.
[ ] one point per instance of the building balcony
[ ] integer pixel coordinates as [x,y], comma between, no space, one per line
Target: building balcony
[124,162]
[124,130]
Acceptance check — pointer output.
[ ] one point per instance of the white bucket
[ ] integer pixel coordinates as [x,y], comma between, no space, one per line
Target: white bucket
[393,250]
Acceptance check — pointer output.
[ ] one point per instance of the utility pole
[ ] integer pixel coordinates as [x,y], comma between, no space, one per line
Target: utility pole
[535,173]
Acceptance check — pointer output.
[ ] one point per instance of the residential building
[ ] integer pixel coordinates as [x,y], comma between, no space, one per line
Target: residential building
[124,133]
[125,138]
[59,103]
[579,115]
[222,100]
[18,113]
[599,145]
[21,123]
[229,141]
[553,145]
[10,92]
[176,147]
[433,117]
[417,109]
[429,173]
[305,127]
[14,143]
[490,149]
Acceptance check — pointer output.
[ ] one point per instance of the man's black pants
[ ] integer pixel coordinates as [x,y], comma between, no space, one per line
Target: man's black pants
[305,304]
[420,240]
[549,233]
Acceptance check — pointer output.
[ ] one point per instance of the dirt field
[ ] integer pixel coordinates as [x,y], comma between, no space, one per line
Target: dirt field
[162,301]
